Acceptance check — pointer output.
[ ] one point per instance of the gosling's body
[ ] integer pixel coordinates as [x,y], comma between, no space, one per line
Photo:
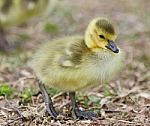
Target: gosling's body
[69,65]
[78,63]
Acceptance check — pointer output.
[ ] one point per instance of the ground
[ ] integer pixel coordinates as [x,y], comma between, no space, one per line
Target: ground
[124,101]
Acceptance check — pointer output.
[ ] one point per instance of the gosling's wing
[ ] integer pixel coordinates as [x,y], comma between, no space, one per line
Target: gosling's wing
[74,54]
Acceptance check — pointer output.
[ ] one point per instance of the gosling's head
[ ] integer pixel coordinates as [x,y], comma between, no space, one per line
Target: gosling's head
[100,34]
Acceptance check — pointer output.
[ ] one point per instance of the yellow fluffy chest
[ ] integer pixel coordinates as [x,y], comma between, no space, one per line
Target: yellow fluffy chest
[103,68]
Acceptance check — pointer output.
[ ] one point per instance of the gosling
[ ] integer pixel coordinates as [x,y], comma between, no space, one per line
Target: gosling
[78,63]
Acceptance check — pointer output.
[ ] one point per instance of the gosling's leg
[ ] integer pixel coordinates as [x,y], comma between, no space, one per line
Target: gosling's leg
[48,101]
[4,44]
[77,112]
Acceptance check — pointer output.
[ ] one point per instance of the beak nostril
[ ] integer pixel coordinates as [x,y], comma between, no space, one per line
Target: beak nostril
[112,46]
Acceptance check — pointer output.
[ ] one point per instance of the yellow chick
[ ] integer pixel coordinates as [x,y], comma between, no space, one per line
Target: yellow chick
[15,12]
[78,63]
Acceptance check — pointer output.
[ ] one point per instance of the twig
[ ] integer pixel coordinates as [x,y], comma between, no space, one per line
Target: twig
[24,78]
[8,123]
[124,121]
[147,105]
[57,95]
[15,108]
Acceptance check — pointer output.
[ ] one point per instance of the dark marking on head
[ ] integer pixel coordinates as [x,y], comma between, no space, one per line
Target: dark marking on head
[105,25]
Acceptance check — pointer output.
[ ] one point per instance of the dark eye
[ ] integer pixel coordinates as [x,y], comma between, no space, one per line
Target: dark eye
[101,36]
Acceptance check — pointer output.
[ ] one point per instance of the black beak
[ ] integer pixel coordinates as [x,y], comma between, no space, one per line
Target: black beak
[112,46]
